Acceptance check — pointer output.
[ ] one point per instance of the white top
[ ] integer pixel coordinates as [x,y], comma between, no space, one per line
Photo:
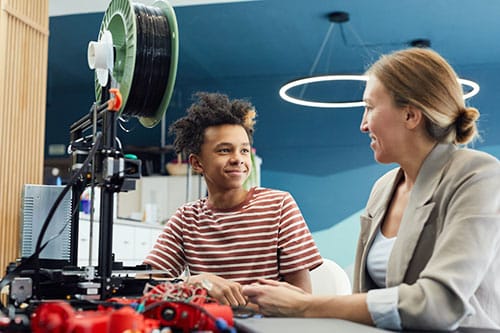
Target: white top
[376,261]
[383,307]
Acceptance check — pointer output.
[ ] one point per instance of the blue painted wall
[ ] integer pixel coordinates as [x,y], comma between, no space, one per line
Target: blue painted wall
[318,155]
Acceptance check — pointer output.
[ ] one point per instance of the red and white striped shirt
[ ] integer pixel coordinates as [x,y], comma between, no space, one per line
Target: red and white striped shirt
[263,237]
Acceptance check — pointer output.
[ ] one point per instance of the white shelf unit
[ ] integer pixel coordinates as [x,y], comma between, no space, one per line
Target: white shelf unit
[156,198]
[132,241]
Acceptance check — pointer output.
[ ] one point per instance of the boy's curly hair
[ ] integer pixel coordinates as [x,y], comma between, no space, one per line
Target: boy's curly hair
[211,109]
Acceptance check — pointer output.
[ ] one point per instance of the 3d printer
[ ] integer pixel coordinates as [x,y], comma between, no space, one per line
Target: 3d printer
[135,63]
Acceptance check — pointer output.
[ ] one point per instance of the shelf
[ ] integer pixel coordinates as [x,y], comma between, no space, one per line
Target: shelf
[149,149]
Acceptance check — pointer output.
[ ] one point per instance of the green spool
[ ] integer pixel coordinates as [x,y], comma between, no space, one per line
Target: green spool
[120,20]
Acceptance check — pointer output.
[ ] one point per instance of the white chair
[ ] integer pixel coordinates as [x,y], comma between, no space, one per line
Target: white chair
[330,279]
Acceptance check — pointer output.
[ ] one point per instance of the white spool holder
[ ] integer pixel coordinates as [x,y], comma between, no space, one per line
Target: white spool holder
[100,57]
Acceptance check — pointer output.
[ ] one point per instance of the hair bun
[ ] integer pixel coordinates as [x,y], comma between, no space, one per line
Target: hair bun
[465,124]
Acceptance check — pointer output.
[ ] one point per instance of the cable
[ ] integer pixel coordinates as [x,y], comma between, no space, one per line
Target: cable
[124,119]
[39,247]
[63,193]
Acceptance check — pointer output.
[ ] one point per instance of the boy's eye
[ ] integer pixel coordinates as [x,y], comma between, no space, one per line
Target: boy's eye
[224,150]
[245,151]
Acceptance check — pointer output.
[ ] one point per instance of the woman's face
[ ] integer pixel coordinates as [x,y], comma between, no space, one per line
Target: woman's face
[383,121]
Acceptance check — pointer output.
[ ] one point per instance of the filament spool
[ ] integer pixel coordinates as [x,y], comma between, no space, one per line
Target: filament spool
[146,51]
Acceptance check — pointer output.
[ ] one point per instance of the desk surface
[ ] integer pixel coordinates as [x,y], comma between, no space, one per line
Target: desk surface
[318,325]
[301,325]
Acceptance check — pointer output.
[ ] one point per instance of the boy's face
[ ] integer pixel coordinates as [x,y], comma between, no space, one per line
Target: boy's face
[224,158]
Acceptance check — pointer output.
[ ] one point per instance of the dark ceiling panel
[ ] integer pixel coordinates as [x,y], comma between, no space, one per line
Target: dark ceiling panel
[250,49]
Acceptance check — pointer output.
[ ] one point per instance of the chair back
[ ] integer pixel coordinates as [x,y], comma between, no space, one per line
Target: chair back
[330,279]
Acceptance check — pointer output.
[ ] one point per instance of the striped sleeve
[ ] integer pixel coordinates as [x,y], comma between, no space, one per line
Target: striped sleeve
[168,252]
[297,248]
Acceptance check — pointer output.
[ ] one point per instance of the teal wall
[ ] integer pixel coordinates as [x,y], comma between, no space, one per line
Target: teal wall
[318,155]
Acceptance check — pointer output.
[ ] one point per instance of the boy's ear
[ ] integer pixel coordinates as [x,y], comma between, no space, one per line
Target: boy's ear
[413,116]
[195,162]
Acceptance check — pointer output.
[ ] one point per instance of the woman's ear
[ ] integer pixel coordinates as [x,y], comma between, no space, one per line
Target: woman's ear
[413,116]
[195,162]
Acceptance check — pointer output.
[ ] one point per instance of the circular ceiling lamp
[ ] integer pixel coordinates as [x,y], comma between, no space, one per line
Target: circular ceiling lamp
[283,92]
[323,78]
[474,87]
[144,42]
[342,17]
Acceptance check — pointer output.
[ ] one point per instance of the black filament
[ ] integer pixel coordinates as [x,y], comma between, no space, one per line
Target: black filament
[152,64]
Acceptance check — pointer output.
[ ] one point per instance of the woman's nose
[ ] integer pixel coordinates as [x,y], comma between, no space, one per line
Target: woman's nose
[363,127]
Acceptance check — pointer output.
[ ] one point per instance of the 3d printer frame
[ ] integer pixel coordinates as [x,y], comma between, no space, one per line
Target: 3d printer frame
[110,171]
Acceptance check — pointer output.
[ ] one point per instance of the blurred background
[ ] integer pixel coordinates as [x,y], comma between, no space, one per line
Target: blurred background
[249,49]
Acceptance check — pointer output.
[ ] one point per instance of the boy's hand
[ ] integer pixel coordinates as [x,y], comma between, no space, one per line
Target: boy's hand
[225,291]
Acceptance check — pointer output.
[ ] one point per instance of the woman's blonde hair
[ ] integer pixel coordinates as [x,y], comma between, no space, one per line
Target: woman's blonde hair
[424,79]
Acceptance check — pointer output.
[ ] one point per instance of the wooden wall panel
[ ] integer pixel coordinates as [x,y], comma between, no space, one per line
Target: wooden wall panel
[24,30]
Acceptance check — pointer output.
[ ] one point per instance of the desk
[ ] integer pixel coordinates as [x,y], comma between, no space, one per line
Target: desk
[301,325]
[318,325]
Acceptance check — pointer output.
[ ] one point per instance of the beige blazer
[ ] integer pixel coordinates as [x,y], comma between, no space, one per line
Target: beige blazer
[446,258]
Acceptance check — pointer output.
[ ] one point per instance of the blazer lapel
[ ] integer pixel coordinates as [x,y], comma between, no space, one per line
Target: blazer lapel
[417,213]
[370,223]
[414,220]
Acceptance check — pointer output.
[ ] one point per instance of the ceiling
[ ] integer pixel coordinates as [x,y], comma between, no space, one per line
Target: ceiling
[70,7]
[278,38]
[274,41]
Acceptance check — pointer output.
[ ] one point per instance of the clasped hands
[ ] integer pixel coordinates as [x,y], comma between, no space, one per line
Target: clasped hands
[268,297]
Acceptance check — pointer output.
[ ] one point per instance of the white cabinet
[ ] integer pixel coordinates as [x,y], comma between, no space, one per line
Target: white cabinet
[84,240]
[154,235]
[124,243]
[156,198]
[132,241]
[143,243]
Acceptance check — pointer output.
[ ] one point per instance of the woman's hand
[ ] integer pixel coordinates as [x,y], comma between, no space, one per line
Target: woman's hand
[277,298]
[224,291]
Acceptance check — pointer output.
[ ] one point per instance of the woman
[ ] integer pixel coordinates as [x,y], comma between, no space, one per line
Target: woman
[428,255]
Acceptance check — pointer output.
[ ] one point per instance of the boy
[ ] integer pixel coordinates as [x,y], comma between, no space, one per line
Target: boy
[233,236]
